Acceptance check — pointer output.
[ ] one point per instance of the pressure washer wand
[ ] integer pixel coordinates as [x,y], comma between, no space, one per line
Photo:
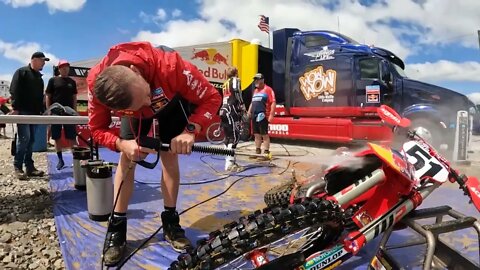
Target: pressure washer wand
[218,151]
[158,146]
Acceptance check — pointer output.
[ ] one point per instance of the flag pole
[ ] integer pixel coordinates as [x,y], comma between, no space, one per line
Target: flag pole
[269,38]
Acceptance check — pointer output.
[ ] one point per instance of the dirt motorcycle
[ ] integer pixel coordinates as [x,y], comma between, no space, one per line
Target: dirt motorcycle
[362,197]
[301,186]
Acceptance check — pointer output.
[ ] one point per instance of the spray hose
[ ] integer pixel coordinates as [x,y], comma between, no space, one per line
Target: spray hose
[158,146]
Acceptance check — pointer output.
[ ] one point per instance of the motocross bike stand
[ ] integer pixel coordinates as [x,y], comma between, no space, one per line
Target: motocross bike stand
[442,255]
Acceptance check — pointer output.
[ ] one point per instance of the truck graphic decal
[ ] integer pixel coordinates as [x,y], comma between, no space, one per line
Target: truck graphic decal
[372,93]
[322,55]
[317,84]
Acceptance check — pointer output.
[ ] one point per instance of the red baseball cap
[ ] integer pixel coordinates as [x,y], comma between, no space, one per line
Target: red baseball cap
[63,62]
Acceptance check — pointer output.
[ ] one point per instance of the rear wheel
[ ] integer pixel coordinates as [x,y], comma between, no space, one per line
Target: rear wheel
[280,230]
[282,194]
[279,195]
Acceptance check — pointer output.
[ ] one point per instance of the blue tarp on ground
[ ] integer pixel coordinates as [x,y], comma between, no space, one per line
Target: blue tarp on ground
[81,239]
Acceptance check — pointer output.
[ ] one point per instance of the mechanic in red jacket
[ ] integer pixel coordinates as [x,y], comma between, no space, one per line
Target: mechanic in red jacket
[142,82]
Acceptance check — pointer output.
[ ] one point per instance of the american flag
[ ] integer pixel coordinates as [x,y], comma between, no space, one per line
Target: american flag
[263,24]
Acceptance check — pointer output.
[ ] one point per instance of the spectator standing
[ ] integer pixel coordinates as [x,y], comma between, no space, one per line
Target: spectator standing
[262,111]
[26,90]
[3,110]
[63,90]
[231,114]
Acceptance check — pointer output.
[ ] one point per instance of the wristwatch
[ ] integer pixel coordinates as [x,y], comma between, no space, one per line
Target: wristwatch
[190,128]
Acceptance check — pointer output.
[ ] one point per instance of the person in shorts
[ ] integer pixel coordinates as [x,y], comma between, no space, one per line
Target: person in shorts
[62,89]
[141,82]
[262,111]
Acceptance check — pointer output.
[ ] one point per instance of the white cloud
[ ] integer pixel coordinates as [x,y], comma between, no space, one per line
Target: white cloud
[474,97]
[445,71]
[6,77]
[176,13]
[144,17]
[424,21]
[53,5]
[189,31]
[123,31]
[160,16]
[22,52]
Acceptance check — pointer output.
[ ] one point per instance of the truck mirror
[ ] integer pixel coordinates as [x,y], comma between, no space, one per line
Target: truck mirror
[386,74]
[387,77]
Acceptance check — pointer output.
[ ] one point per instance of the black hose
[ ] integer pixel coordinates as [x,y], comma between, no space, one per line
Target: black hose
[184,211]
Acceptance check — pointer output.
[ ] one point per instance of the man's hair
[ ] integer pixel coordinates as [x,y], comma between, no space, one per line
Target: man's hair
[112,87]
[232,72]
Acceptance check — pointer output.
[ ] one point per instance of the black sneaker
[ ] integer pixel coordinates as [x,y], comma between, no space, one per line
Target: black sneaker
[173,232]
[258,151]
[60,164]
[115,242]
[34,172]
[20,174]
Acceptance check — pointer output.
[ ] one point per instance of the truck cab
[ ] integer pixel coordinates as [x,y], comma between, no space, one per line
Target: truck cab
[328,87]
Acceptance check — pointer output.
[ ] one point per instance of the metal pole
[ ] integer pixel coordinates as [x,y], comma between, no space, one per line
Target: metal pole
[269,39]
[338,24]
[478,33]
[46,119]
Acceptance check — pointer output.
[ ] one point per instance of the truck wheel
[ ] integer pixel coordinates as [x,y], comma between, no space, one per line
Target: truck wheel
[428,131]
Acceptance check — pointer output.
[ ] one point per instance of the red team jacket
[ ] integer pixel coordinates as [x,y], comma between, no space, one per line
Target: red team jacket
[166,72]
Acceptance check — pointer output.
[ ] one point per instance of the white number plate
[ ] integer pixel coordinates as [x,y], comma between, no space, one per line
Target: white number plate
[425,165]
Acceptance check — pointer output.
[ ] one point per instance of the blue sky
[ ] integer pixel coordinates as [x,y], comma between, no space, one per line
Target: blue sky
[436,38]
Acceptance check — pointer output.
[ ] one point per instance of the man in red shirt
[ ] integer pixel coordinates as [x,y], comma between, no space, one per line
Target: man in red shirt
[262,109]
[143,82]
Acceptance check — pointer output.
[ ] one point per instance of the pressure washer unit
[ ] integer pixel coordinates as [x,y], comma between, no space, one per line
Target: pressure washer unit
[80,154]
[99,189]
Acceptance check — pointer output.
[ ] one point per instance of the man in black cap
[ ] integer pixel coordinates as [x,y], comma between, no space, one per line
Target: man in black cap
[26,90]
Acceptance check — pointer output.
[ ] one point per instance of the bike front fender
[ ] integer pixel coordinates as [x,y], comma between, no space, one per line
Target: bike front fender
[473,186]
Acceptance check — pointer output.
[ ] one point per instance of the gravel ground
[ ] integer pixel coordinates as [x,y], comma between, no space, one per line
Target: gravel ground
[28,238]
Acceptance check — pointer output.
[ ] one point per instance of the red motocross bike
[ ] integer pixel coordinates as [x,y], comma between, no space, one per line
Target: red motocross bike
[356,201]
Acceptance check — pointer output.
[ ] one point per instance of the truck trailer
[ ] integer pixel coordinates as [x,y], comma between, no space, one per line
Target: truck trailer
[328,86]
